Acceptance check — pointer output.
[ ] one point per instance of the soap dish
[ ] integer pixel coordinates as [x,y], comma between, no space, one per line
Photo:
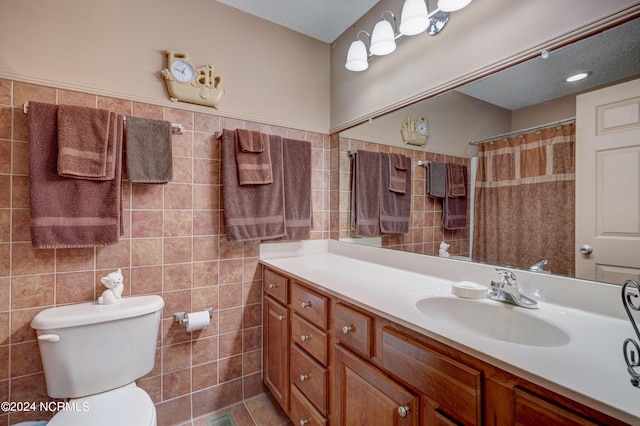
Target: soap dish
[469,290]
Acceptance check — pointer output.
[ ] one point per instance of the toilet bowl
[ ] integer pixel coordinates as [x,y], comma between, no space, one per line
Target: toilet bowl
[92,354]
[127,406]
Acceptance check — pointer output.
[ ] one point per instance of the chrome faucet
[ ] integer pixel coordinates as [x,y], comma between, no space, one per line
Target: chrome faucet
[506,290]
[539,267]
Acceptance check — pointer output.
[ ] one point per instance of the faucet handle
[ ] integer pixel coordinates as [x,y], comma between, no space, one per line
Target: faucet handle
[508,277]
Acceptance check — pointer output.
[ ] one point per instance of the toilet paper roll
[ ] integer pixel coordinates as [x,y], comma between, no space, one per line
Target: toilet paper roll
[198,320]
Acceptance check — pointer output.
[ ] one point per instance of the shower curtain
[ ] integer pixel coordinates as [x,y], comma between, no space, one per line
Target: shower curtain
[524,201]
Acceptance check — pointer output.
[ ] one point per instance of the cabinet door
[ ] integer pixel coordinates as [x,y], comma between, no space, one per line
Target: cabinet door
[276,351]
[366,396]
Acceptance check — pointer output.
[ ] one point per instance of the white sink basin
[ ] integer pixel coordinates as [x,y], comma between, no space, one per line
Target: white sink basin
[495,320]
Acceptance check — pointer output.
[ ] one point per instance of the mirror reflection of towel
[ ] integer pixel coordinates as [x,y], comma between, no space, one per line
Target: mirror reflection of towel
[455,206]
[437,179]
[398,166]
[395,207]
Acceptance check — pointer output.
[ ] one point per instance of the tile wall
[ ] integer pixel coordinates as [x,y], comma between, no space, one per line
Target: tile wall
[425,223]
[174,246]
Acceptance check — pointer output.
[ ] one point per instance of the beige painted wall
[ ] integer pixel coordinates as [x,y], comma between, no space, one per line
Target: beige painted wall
[271,74]
[509,31]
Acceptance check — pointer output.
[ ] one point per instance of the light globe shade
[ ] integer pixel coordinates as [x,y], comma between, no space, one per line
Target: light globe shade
[452,5]
[383,40]
[415,17]
[357,57]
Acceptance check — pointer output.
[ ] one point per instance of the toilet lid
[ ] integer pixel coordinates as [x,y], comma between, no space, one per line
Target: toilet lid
[127,406]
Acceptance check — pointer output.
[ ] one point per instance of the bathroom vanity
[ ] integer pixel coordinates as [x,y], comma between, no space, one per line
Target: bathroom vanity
[359,335]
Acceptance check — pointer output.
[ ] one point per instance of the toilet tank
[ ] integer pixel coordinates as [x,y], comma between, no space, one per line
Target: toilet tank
[89,348]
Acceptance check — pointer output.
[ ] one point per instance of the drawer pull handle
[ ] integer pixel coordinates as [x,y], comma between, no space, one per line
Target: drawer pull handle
[304,377]
[281,317]
[403,411]
[347,329]
[304,338]
[303,422]
[273,285]
[306,304]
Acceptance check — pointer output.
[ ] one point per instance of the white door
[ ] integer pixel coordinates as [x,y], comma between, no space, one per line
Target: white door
[608,183]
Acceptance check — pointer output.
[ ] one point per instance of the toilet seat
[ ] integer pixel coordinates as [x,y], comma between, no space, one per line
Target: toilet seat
[126,406]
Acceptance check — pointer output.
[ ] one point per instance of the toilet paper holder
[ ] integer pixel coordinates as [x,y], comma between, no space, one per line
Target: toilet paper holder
[181,317]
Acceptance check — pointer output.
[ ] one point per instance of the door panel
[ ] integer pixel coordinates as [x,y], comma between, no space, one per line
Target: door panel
[608,183]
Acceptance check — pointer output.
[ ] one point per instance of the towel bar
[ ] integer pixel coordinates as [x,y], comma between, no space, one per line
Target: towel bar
[417,163]
[176,128]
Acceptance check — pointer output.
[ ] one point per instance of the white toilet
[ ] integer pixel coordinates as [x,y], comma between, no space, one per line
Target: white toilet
[93,354]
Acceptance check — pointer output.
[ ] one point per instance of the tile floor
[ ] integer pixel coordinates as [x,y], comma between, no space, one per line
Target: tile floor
[261,410]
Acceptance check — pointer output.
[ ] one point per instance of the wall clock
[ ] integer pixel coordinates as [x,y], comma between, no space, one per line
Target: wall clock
[189,84]
[415,131]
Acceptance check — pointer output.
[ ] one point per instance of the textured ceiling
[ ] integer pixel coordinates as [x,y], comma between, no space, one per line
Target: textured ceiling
[324,20]
[611,56]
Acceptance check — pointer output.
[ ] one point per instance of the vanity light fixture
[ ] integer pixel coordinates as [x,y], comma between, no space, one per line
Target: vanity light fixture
[383,37]
[577,77]
[357,57]
[452,5]
[415,19]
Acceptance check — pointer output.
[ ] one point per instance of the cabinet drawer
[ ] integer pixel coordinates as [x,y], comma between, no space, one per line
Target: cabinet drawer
[354,330]
[310,338]
[310,378]
[276,285]
[454,386]
[310,305]
[303,412]
[531,409]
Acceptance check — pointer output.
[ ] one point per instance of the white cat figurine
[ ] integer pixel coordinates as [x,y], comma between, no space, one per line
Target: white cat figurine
[115,286]
[443,250]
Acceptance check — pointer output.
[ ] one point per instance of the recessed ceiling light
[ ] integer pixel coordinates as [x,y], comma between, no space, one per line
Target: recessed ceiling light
[577,77]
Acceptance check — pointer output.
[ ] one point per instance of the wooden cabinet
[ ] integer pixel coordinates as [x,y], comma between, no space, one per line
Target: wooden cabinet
[454,389]
[329,362]
[276,350]
[364,395]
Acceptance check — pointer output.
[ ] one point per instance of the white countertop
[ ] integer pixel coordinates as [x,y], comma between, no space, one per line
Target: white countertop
[589,369]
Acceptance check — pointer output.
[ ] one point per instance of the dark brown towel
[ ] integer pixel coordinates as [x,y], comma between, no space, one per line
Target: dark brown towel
[297,188]
[148,146]
[365,194]
[86,142]
[437,180]
[254,165]
[455,207]
[252,212]
[68,212]
[398,166]
[395,207]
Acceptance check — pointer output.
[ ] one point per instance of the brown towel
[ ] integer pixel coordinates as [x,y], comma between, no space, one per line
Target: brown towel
[85,142]
[398,166]
[297,188]
[251,141]
[456,177]
[395,207]
[455,207]
[436,180]
[149,157]
[254,165]
[252,212]
[365,194]
[68,212]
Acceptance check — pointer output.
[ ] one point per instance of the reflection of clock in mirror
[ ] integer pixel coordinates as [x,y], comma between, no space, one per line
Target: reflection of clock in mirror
[189,84]
[415,131]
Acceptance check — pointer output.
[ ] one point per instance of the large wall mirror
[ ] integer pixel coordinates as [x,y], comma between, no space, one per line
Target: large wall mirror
[524,101]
